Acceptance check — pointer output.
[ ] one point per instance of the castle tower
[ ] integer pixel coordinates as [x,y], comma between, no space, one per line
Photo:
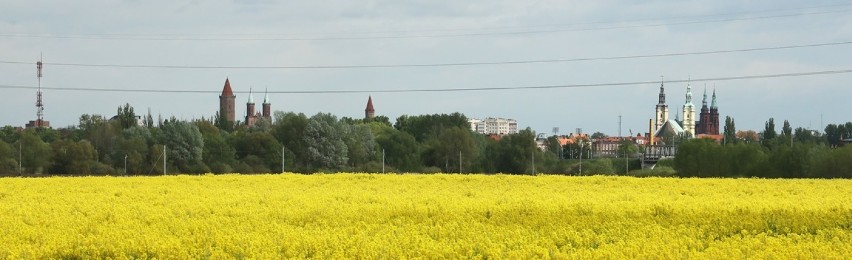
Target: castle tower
[251,117]
[369,112]
[662,111]
[689,113]
[226,103]
[267,107]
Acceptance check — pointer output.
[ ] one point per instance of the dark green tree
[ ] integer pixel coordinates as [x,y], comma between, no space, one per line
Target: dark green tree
[730,131]
[184,145]
[787,130]
[769,130]
[36,155]
[126,117]
[325,148]
[401,150]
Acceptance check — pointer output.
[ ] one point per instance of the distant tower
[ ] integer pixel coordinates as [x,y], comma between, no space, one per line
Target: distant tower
[226,103]
[251,117]
[689,113]
[267,107]
[39,122]
[369,112]
[662,114]
[713,127]
[704,118]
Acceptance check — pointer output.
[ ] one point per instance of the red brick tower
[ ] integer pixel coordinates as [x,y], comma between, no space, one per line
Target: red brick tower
[369,112]
[226,103]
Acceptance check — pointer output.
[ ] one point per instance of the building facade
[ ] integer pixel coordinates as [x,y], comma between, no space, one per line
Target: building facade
[492,125]
[688,123]
[708,123]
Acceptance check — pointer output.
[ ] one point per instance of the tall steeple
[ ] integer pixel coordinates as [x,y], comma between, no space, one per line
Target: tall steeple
[662,110]
[226,103]
[267,107]
[689,112]
[369,112]
[713,105]
[251,117]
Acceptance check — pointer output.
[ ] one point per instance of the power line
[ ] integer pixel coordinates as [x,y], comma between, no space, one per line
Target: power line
[451,64]
[729,78]
[450,35]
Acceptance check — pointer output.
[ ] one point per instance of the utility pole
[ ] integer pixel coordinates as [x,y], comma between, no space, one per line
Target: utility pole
[533,162]
[581,157]
[125,164]
[282,159]
[164,159]
[20,158]
[460,162]
[383,160]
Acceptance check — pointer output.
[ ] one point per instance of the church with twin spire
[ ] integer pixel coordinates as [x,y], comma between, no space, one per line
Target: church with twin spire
[706,125]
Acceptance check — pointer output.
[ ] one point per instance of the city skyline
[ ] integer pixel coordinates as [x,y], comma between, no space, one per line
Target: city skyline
[342,37]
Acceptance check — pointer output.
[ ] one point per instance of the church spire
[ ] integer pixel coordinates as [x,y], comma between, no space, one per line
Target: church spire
[704,101]
[266,96]
[688,94]
[662,93]
[251,97]
[713,105]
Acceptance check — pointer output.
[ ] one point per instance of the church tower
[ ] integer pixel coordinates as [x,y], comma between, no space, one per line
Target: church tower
[689,113]
[369,112]
[713,127]
[251,117]
[226,103]
[662,114]
[704,117]
[267,107]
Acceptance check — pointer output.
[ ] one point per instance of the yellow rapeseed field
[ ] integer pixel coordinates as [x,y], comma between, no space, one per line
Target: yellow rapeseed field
[423,216]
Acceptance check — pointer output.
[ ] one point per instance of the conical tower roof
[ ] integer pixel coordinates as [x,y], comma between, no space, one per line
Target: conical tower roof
[370,105]
[226,91]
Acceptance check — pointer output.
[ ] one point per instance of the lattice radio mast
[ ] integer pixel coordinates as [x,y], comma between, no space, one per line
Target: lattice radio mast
[39,103]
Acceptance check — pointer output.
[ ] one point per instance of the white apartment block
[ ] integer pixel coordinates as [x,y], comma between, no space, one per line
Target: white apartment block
[491,125]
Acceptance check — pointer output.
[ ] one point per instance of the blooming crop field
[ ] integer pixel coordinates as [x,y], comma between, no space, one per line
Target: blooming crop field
[430,216]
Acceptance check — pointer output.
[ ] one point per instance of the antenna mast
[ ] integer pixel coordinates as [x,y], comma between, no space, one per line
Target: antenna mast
[39,103]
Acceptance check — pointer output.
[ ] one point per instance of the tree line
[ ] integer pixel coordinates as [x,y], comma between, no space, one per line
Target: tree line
[798,153]
[292,142]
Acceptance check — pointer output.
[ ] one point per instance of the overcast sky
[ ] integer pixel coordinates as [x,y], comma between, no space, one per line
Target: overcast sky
[262,33]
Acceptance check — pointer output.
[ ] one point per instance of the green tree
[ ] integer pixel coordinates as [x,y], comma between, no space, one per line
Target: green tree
[424,127]
[133,144]
[217,154]
[769,131]
[184,145]
[36,155]
[361,144]
[258,150]
[513,153]
[323,138]
[401,150]
[444,150]
[289,129]
[598,135]
[76,158]
[8,159]
[730,131]
[126,117]
[787,130]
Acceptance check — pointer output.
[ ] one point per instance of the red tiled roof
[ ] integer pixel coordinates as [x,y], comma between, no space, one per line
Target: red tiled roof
[226,91]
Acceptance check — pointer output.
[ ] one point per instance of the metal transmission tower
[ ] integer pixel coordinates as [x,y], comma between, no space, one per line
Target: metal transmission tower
[39,103]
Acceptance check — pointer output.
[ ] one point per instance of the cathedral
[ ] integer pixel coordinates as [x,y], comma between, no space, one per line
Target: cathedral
[706,125]
[227,106]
